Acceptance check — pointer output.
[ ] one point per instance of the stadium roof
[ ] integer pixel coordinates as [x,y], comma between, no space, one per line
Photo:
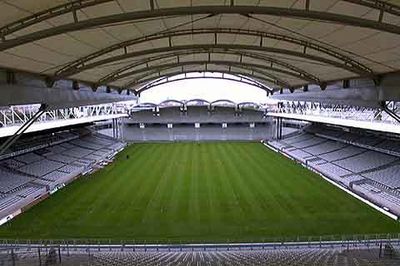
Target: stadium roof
[127,44]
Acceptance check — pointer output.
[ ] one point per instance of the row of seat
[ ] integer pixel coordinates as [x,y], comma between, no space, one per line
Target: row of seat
[205,133]
[280,256]
[383,144]
[196,114]
[358,168]
[46,168]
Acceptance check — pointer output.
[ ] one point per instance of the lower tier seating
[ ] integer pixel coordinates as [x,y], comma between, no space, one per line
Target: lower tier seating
[45,169]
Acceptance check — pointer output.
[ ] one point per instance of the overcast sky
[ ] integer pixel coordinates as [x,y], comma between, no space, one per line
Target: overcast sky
[203,88]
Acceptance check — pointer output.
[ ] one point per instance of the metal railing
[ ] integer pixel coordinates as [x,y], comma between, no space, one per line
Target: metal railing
[162,243]
[48,252]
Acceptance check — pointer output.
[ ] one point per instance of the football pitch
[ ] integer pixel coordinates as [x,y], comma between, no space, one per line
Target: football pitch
[198,192]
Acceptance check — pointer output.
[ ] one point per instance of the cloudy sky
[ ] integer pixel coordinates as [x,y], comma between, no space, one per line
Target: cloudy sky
[203,88]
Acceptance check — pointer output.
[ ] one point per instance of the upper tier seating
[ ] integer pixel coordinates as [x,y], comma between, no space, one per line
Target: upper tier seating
[57,149]
[29,144]
[189,133]
[86,144]
[326,147]
[61,158]
[10,181]
[365,161]
[195,114]
[28,158]
[41,168]
[13,164]
[348,151]
[388,145]
[309,142]
[77,152]
[389,176]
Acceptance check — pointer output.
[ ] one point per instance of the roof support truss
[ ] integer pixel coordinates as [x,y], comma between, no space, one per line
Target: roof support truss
[380,5]
[151,83]
[208,47]
[70,7]
[195,10]
[269,62]
[254,69]
[89,61]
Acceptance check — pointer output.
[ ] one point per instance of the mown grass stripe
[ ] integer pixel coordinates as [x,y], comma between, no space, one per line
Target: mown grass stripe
[201,192]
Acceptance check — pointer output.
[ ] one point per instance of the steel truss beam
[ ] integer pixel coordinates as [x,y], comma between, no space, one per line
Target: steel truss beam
[305,13]
[380,5]
[88,61]
[73,6]
[207,47]
[53,12]
[391,113]
[266,77]
[165,81]
[152,82]
[257,68]
[269,61]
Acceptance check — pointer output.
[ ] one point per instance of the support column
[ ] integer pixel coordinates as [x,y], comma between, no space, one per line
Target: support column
[115,128]
[121,128]
[278,128]
[11,140]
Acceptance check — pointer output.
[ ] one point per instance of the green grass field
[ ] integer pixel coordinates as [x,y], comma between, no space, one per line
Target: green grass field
[207,192]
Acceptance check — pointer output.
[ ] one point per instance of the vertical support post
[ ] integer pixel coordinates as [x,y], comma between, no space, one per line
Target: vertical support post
[88,255]
[278,128]
[118,128]
[121,129]
[39,256]
[113,127]
[12,257]
[59,254]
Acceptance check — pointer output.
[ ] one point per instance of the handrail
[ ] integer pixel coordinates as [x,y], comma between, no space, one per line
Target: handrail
[268,242]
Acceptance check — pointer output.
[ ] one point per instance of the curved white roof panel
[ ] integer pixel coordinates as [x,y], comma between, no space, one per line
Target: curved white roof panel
[124,43]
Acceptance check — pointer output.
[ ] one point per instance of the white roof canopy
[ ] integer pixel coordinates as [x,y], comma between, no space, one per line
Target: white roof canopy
[128,44]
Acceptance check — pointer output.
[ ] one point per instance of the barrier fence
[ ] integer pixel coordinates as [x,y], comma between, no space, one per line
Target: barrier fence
[47,252]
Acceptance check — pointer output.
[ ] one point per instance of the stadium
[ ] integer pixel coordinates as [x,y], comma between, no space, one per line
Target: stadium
[294,160]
